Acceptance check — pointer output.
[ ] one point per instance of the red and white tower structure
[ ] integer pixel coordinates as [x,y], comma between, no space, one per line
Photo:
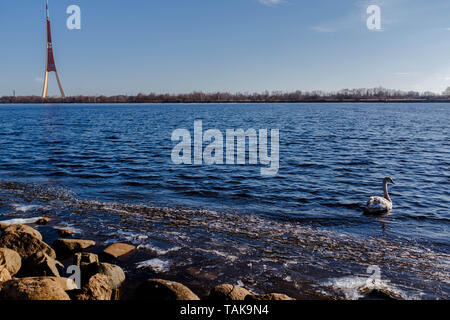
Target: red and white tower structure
[50,61]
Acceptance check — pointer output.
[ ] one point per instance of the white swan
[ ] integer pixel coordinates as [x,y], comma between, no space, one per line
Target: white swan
[379,205]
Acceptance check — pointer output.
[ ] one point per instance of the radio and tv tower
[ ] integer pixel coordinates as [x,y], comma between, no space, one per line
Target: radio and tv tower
[50,64]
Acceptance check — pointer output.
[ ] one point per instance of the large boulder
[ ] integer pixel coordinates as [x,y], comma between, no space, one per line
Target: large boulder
[268,297]
[114,273]
[22,228]
[228,292]
[66,247]
[25,244]
[163,290]
[41,288]
[41,264]
[96,289]
[11,260]
[117,250]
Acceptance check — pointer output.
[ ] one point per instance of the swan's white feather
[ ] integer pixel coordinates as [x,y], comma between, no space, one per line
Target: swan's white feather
[378,205]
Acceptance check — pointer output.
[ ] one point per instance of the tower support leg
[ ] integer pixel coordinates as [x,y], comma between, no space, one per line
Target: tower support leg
[59,85]
[45,90]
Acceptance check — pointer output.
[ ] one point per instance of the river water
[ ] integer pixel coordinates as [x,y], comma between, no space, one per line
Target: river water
[106,172]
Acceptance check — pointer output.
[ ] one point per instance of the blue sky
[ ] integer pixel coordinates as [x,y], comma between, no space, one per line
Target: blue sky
[128,47]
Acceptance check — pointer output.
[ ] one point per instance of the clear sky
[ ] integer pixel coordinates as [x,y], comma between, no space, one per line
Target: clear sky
[128,47]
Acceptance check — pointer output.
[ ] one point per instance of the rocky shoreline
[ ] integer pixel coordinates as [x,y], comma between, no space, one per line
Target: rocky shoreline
[30,269]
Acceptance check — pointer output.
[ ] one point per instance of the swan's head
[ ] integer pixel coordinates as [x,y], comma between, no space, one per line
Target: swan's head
[388,180]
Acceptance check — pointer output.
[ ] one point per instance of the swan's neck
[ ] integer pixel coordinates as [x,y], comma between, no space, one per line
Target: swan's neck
[385,190]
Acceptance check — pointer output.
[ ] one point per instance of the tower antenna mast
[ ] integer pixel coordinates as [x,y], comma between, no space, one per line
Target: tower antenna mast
[50,65]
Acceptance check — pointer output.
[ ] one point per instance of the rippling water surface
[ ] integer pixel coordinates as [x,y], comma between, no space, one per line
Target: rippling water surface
[106,172]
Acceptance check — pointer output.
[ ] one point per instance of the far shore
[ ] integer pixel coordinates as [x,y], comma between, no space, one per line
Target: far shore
[362,95]
[70,100]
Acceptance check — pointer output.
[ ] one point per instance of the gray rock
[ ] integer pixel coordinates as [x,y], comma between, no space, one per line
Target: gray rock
[11,260]
[114,273]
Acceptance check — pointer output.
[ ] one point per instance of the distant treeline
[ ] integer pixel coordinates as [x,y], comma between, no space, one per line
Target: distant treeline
[346,95]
